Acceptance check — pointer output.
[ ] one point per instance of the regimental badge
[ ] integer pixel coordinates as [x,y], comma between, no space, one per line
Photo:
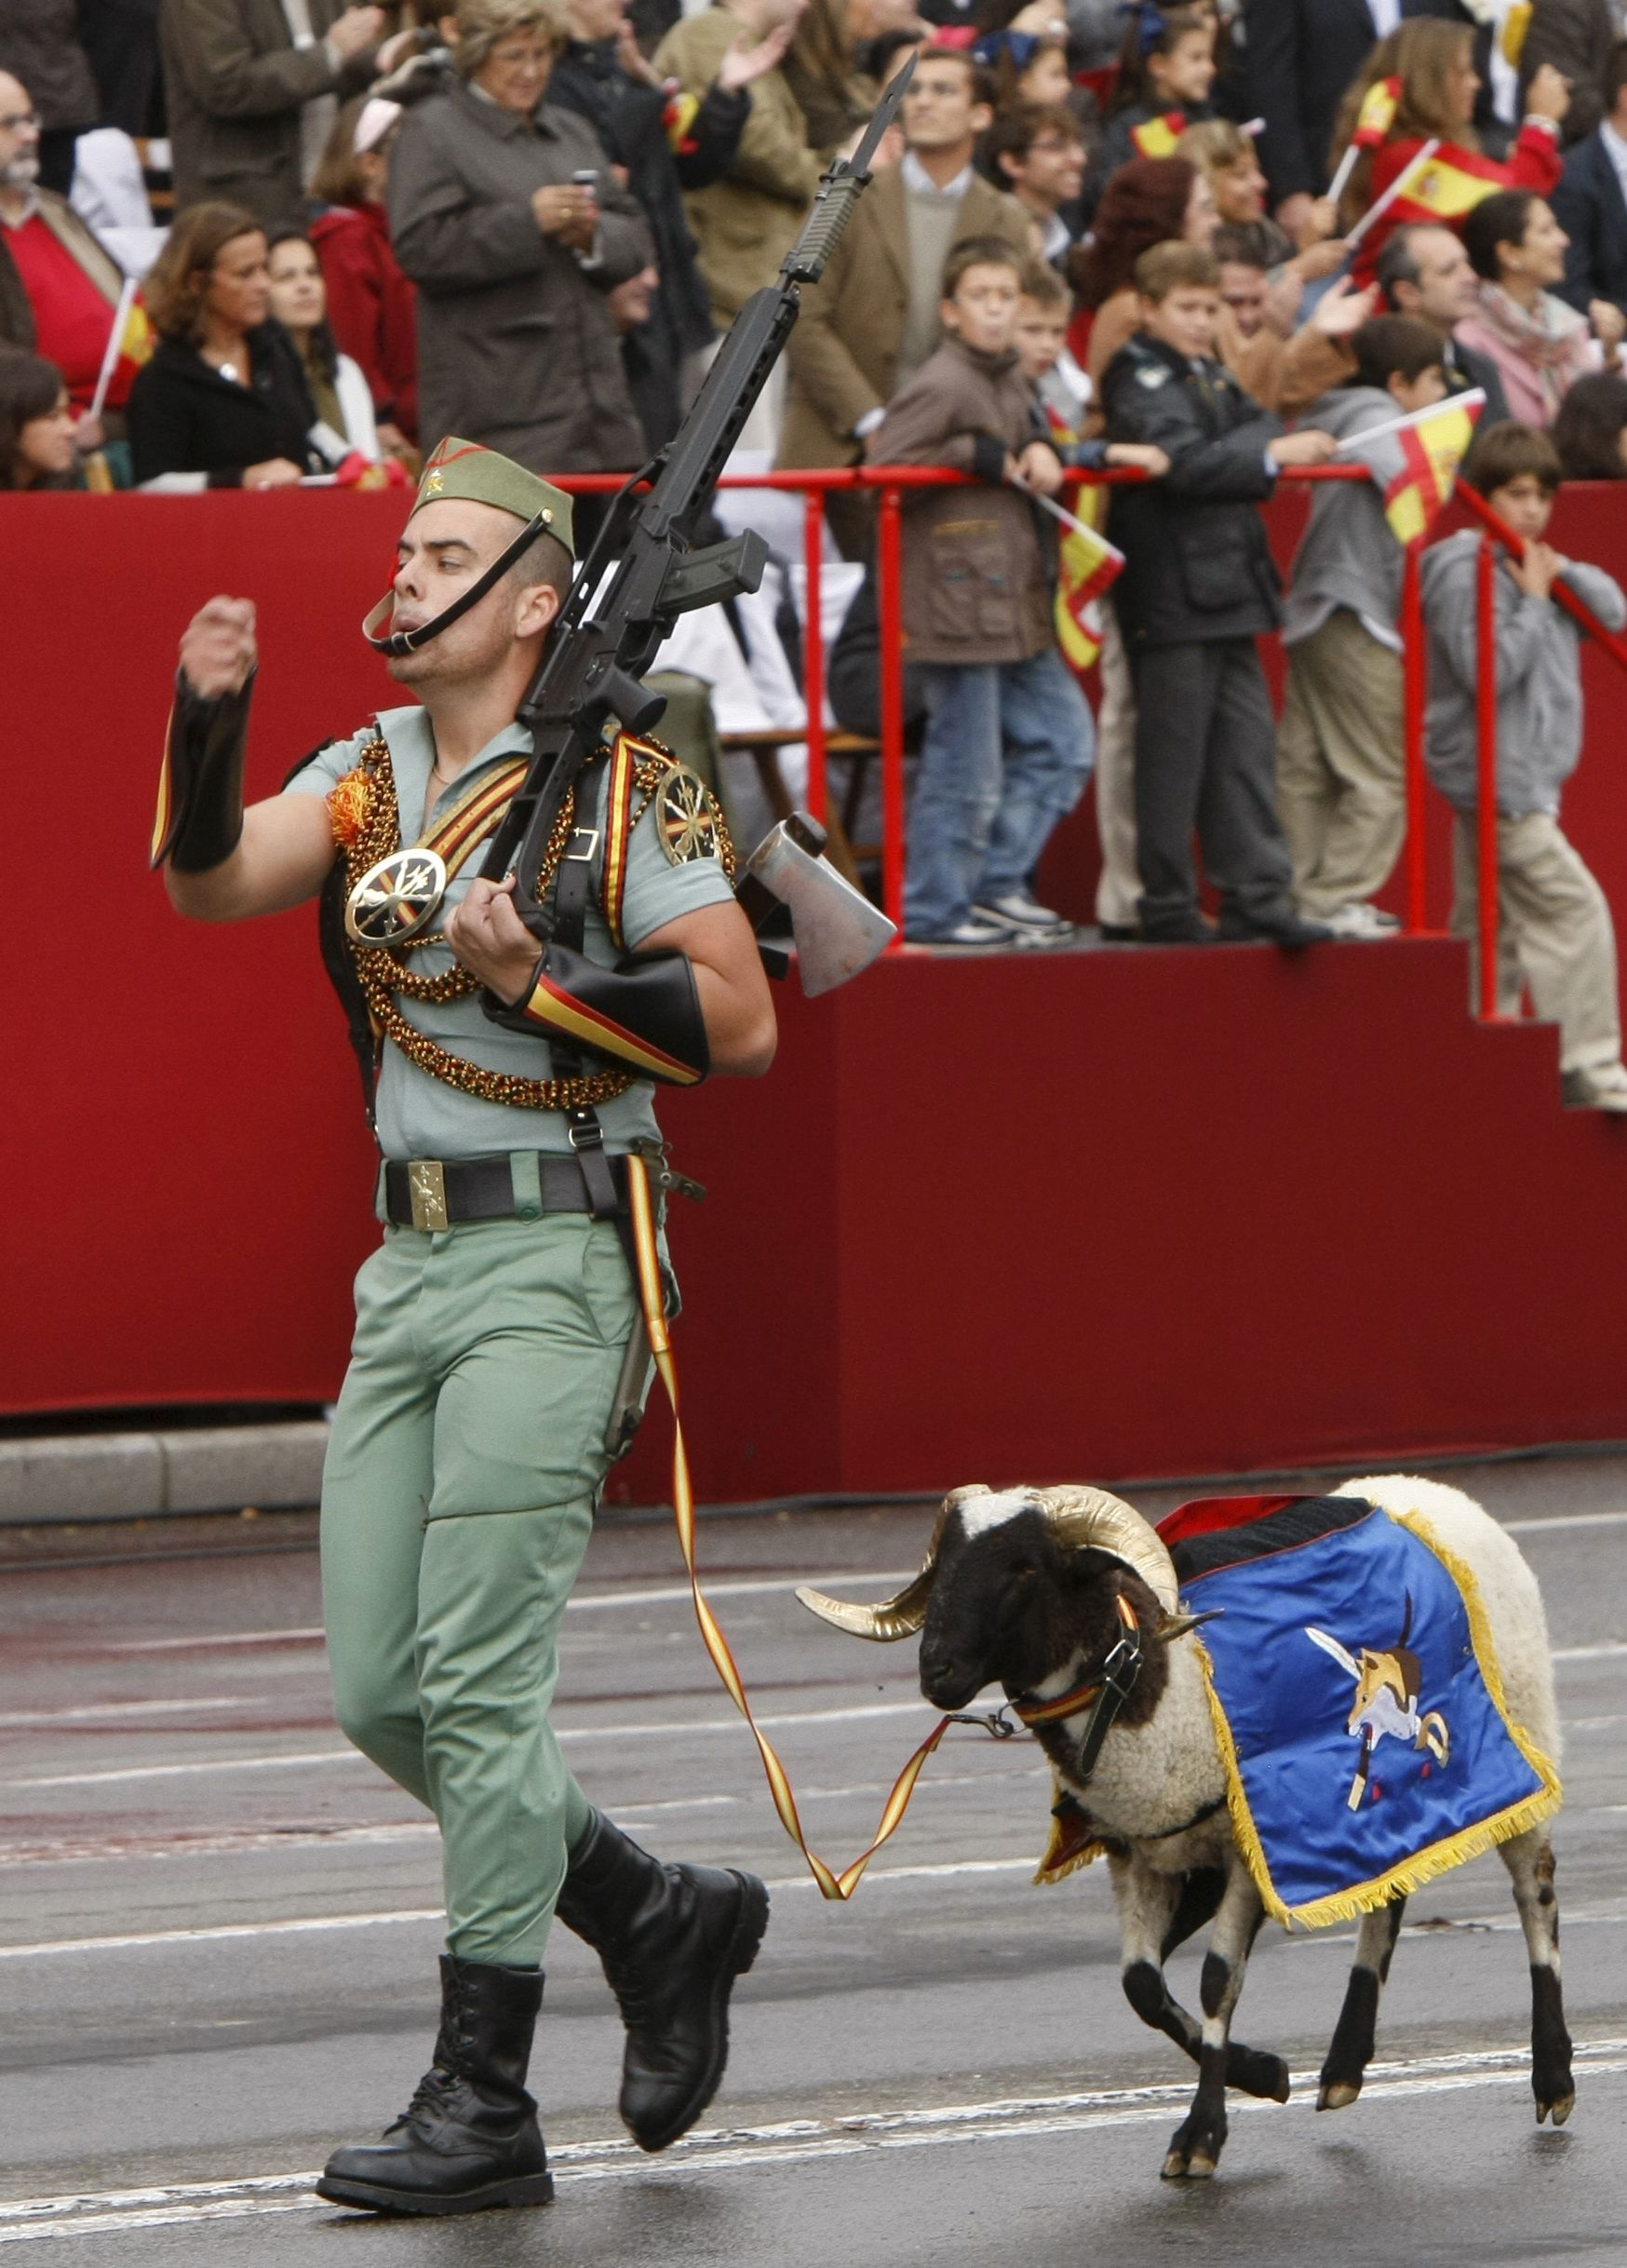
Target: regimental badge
[395,899]
[1152,375]
[684,819]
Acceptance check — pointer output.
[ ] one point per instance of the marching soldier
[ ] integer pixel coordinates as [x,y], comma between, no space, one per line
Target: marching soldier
[499,1353]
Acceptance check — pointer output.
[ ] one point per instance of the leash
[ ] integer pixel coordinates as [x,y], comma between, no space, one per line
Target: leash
[832,1885]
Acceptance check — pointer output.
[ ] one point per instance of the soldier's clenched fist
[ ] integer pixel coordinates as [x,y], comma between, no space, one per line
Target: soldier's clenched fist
[218,652]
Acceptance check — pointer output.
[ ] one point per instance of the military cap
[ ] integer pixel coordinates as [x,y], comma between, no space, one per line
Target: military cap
[469,471]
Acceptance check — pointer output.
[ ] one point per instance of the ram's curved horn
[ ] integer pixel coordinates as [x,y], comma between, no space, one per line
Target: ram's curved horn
[1090,1519]
[897,1617]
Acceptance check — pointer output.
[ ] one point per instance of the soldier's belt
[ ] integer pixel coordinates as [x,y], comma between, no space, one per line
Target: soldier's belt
[429,1194]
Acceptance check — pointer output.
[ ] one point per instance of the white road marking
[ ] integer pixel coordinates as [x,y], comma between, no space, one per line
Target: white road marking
[1563,1520]
[793,2142]
[1590,1654]
[721,1723]
[17,1717]
[579,1604]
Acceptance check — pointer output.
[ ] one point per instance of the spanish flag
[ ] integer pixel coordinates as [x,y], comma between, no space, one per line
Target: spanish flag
[1089,565]
[1159,136]
[130,342]
[678,120]
[1448,186]
[1413,461]
[1377,114]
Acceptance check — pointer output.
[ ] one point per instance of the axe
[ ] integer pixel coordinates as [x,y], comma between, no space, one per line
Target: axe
[837,931]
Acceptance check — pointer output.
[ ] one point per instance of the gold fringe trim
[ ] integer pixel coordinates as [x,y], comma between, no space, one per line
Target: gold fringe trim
[1059,1862]
[1440,1858]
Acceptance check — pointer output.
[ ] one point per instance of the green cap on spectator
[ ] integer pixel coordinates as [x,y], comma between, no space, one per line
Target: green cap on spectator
[468,470]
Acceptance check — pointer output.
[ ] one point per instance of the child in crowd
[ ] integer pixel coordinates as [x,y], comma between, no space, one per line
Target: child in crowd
[1166,68]
[1062,387]
[1342,784]
[1008,743]
[1197,589]
[1554,932]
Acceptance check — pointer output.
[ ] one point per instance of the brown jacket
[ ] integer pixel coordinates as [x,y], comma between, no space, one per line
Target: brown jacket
[516,345]
[235,83]
[843,353]
[746,224]
[977,586]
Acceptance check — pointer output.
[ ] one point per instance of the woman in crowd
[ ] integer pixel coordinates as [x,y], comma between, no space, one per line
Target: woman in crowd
[371,306]
[36,425]
[514,255]
[1167,67]
[1225,155]
[223,403]
[1149,201]
[1433,61]
[299,300]
[1539,344]
[1590,430]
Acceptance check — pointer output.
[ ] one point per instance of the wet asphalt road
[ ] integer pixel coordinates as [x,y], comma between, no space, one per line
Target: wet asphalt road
[218,1932]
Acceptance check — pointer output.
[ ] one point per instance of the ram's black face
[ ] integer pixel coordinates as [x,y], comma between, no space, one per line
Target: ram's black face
[993,1605]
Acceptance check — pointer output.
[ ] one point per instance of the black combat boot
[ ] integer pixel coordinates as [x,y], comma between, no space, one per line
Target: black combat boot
[672,1940]
[469,2137]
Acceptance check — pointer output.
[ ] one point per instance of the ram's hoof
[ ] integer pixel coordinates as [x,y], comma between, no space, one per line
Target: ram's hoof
[1558,2108]
[1279,2088]
[1338,2094]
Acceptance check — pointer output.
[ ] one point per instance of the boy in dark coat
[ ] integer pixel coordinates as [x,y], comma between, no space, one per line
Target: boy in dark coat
[1009,742]
[1197,588]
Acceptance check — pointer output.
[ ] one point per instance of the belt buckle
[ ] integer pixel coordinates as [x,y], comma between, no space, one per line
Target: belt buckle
[426,1188]
[588,837]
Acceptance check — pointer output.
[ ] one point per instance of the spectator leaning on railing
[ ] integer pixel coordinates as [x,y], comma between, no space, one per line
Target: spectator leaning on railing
[1008,741]
[1555,931]
[224,401]
[514,259]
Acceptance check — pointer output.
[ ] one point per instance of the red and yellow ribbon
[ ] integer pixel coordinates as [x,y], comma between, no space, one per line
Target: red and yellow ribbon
[831,1884]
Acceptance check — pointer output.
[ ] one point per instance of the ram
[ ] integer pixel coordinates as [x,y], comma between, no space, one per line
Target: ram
[1062,1595]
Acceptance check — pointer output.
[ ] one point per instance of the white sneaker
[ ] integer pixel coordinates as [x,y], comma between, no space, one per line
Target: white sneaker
[1026,917]
[979,928]
[1360,923]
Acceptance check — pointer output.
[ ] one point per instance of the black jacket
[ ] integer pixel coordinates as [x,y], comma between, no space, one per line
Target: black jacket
[185,417]
[629,120]
[1464,371]
[1589,206]
[1197,564]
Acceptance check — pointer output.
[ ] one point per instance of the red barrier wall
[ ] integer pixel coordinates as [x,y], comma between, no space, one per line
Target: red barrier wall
[1096,1214]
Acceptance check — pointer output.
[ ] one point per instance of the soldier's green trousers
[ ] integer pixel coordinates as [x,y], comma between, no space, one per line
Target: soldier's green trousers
[465,1464]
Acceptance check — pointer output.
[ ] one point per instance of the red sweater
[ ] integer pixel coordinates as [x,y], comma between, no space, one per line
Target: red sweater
[1452,184]
[71,316]
[372,306]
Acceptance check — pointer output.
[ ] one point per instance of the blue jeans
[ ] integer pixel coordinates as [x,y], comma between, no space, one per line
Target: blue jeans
[1008,749]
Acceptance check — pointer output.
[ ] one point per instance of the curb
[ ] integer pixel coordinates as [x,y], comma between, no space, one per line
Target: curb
[84,1478]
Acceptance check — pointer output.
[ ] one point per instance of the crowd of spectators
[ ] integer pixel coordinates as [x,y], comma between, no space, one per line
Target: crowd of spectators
[355,228]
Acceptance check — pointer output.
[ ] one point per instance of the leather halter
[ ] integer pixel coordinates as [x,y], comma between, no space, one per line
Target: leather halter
[1103,1695]
[409,641]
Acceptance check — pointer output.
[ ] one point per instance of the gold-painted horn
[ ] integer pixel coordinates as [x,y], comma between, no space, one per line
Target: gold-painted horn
[1090,1519]
[903,1615]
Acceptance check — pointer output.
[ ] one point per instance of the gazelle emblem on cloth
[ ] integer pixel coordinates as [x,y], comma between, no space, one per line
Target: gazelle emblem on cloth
[1386,1700]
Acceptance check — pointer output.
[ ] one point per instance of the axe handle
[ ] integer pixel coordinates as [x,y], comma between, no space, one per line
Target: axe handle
[759,906]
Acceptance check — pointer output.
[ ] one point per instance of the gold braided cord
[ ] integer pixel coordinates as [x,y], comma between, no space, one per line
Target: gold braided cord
[383,974]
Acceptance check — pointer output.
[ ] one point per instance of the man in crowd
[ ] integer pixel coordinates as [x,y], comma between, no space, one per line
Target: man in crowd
[39,44]
[1591,202]
[874,317]
[253,88]
[746,220]
[1302,56]
[58,289]
[1244,278]
[1036,152]
[1424,271]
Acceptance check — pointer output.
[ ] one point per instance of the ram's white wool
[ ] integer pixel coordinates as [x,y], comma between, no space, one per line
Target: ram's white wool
[985,1512]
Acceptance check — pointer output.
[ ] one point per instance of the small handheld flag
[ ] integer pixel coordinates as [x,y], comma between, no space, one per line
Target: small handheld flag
[1089,566]
[1158,137]
[130,343]
[1374,121]
[1415,461]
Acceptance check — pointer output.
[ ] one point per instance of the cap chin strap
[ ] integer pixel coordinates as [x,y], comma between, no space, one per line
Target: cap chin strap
[409,641]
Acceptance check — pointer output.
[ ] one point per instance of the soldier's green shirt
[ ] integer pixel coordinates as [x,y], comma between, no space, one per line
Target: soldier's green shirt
[418,1116]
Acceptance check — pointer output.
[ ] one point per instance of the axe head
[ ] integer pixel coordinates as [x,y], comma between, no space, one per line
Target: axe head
[837,932]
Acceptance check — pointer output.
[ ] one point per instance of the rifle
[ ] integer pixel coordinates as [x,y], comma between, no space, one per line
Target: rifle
[601,643]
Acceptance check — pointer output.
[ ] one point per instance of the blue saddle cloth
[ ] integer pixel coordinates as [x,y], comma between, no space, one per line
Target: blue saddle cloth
[1357,1701]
